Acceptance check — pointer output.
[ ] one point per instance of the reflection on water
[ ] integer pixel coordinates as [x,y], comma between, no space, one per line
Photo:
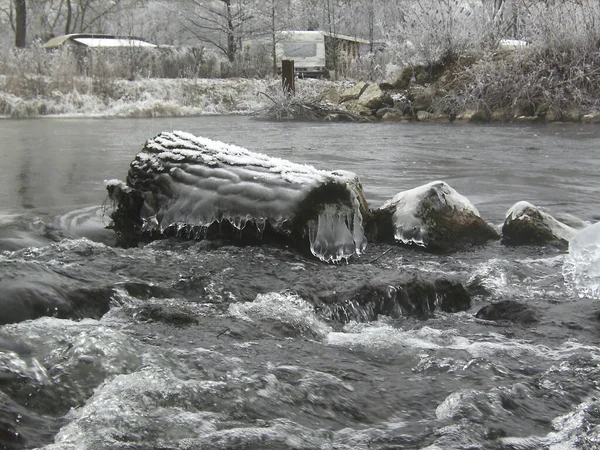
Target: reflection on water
[25,180]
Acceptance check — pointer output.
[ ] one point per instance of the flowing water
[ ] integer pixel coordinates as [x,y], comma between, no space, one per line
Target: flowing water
[205,345]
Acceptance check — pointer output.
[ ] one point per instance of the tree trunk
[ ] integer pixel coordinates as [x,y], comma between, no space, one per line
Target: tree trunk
[273,40]
[231,41]
[21,23]
[69,17]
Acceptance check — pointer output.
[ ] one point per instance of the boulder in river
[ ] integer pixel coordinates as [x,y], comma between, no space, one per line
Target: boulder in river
[526,224]
[508,310]
[433,216]
[35,291]
[194,187]
[400,296]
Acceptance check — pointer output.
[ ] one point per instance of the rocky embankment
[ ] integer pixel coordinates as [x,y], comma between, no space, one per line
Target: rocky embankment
[385,102]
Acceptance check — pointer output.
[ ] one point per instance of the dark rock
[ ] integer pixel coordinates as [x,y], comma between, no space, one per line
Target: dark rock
[433,216]
[35,291]
[508,310]
[169,314]
[525,224]
[145,291]
[394,115]
[21,428]
[403,81]
[421,99]
[406,295]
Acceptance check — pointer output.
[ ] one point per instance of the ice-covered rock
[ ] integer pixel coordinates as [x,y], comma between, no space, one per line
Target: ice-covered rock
[526,224]
[194,187]
[433,216]
[581,268]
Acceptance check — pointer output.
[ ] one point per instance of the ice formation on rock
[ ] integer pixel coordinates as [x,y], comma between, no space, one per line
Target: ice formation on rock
[187,183]
[411,207]
[581,268]
[526,223]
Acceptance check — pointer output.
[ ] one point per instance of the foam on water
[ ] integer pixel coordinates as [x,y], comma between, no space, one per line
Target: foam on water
[286,308]
[158,406]
[80,355]
[579,428]
[376,336]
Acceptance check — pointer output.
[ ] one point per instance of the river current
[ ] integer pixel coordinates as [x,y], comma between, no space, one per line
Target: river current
[206,345]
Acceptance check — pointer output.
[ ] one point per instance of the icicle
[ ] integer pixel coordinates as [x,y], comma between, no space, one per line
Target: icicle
[261,224]
[330,237]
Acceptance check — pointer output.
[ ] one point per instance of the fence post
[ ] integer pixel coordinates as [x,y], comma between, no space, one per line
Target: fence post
[287,76]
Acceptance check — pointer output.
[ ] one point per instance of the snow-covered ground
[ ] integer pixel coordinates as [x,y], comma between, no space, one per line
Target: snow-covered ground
[146,97]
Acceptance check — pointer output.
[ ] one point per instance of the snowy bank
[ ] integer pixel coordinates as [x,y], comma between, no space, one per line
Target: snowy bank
[149,97]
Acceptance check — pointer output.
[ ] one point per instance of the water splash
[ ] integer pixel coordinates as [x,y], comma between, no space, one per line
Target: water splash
[581,269]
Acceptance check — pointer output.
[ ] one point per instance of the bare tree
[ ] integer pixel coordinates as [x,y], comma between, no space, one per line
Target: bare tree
[220,23]
[271,18]
[92,15]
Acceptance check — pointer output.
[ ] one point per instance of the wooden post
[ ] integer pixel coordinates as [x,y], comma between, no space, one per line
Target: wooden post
[287,76]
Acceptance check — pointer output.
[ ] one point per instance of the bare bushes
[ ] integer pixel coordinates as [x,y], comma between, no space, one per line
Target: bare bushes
[533,82]
[313,100]
[116,63]
[422,32]
[562,26]
[555,77]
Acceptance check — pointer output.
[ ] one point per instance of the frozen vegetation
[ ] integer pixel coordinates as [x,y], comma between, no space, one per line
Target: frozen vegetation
[472,60]
[150,97]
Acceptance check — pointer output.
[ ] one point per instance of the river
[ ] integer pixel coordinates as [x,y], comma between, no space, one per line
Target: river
[205,345]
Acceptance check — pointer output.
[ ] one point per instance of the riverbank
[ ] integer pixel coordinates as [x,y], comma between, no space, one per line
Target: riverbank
[525,85]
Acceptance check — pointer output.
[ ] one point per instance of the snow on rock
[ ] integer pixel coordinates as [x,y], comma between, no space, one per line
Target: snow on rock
[433,216]
[194,187]
[581,268]
[526,224]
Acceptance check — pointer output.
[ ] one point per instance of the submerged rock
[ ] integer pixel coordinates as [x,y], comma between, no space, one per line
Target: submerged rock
[526,224]
[193,187]
[508,310]
[35,291]
[433,216]
[405,295]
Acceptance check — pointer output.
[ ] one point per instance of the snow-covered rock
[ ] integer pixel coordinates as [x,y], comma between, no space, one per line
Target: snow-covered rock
[353,92]
[433,216]
[364,98]
[526,224]
[194,187]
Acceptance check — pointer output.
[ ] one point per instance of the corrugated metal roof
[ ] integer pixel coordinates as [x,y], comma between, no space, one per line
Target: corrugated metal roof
[98,40]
